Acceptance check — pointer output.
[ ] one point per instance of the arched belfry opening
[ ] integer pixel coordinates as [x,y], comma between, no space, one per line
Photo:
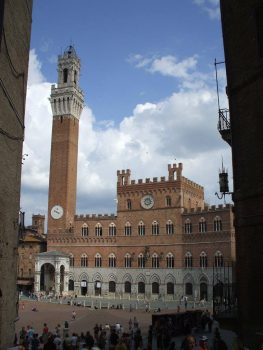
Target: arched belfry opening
[65,75]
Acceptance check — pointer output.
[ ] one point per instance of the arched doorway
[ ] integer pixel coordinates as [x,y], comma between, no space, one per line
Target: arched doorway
[112,287]
[71,285]
[127,287]
[155,288]
[141,287]
[47,278]
[170,288]
[97,287]
[83,287]
[203,290]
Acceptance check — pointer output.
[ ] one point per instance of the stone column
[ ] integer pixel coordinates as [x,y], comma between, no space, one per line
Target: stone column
[57,282]
[37,282]
[66,282]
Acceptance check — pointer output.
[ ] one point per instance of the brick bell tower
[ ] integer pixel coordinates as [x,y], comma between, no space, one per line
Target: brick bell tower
[67,102]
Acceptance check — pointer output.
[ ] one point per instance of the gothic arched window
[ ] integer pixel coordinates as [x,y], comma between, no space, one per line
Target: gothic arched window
[219,260]
[112,260]
[84,260]
[98,230]
[217,224]
[98,260]
[112,229]
[202,225]
[141,229]
[155,228]
[188,260]
[84,230]
[127,229]
[203,260]
[187,226]
[169,227]
[169,261]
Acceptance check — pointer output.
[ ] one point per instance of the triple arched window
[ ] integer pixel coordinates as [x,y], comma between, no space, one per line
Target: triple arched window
[155,261]
[141,229]
[155,228]
[187,226]
[169,227]
[203,260]
[84,260]
[141,261]
[188,260]
[71,260]
[112,229]
[219,260]
[202,225]
[217,224]
[98,260]
[169,261]
[112,260]
[127,229]
[128,260]
[84,230]
[98,230]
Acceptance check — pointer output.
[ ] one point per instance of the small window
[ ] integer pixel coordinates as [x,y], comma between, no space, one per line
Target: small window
[129,204]
[168,201]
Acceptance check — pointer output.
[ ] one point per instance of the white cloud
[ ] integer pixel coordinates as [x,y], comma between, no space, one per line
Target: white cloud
[182,126]
[211,7]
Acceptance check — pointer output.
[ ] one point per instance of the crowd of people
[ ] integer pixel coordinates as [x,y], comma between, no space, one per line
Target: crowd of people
[102,338]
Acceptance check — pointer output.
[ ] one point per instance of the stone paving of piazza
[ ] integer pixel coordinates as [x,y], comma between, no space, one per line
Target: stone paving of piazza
[54,313]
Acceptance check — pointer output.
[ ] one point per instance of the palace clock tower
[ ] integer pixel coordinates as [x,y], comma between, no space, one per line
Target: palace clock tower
[67,103]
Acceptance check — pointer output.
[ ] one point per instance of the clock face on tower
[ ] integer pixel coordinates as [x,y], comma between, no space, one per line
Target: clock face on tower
[56,212]
[147,202]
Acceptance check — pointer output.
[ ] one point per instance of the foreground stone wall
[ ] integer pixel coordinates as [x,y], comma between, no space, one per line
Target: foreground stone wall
[14,53]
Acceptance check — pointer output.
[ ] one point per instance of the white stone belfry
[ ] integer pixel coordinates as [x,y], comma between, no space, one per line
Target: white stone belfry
[67,98]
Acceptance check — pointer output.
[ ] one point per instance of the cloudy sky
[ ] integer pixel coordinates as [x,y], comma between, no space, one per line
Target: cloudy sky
[150,94]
